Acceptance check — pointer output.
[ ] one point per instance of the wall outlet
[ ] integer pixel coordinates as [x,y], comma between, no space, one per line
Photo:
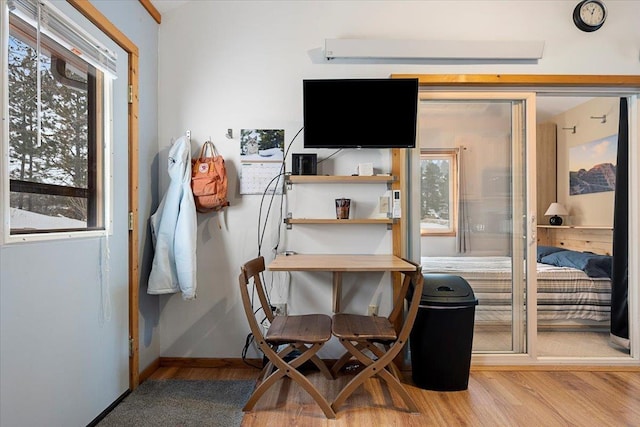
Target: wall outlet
[280,309]
[265,326]
[373,310]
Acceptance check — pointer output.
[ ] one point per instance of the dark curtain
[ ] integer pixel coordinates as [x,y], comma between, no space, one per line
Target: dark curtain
[620,270]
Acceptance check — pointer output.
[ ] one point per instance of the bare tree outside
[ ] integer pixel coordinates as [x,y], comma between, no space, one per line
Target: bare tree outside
[434,189]
[60,156]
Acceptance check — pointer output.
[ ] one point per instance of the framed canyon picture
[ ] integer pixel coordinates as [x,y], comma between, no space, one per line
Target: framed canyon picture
[592,166]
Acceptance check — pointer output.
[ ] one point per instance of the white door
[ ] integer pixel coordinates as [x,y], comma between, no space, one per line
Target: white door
[476,209]
[64,301]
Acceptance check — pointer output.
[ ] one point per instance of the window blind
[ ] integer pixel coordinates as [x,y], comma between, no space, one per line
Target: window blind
[59,27]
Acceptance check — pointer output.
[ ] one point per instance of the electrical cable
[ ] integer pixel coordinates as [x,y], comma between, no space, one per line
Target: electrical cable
[261,237]
[330,156]
[282,170]
[273,194]
[247,343]
[280,222]
[250,338]
[261,232]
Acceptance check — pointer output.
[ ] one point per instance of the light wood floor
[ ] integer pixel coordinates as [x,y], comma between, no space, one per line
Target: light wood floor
[494,398]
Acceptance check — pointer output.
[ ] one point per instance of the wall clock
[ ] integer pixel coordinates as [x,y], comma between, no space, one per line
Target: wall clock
[589,15]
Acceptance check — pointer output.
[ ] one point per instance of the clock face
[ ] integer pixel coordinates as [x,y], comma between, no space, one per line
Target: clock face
[589,15]
[592,13]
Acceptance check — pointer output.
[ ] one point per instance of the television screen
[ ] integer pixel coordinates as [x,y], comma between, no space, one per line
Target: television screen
[360,113]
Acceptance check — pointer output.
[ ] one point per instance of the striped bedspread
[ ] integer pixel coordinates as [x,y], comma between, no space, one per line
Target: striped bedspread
[563,293]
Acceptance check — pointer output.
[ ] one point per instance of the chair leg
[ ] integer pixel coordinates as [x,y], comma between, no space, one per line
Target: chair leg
[262,388]
[378,367]
[313,392]
[351,387]
[290,370]
[369,372]
[266,371]
[342,361]
[307,354]
[395,384]
[318,362]
[269,376]
[375,350]
[391,367]
[322,367]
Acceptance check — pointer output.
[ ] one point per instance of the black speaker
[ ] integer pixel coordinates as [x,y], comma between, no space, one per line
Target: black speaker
[304,164]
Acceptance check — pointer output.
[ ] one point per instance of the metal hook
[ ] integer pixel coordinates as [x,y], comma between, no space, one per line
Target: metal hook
[572,129]
[603,118]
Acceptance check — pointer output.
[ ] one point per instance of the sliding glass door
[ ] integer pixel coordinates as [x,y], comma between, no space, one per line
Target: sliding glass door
[476,213]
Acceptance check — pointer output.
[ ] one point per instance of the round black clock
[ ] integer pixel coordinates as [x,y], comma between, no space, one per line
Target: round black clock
[589,15]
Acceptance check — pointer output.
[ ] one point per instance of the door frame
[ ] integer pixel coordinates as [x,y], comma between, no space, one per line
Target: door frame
[521,129]
[629,84]
[101,22]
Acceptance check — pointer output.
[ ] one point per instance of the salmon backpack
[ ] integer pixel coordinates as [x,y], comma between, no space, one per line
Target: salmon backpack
[209,180]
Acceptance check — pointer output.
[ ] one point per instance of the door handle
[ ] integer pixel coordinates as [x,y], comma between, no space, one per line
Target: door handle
[534,230]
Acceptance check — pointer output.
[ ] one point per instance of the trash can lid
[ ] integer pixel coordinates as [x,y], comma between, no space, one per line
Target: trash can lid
[447,289]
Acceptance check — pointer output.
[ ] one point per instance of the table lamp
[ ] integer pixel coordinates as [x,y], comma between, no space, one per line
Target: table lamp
[556,209]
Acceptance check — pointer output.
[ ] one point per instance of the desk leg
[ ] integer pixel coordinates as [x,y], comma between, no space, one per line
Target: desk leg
[337,290]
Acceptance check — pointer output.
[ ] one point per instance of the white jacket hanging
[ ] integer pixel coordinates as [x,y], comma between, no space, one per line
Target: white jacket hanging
[174,228]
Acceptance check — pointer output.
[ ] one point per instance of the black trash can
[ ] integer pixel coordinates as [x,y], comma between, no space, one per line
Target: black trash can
[442,334]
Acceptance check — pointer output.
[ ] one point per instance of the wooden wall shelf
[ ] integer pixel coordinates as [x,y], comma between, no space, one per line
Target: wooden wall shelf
[332,179]
[338,221]
[338,179]
[577,227]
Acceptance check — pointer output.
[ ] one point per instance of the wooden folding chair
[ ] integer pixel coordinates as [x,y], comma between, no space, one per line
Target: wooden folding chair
[305,334]
[378,336]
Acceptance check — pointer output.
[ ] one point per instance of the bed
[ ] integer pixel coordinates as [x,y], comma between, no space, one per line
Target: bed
[564,292]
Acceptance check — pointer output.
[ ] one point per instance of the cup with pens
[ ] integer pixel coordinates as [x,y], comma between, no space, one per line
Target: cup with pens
[342,208]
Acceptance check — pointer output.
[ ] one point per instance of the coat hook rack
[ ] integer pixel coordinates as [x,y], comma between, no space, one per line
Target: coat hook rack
[603,118]
[572,129]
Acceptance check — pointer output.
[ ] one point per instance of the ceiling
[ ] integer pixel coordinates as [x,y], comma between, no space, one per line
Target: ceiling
[550,106]
[166,5]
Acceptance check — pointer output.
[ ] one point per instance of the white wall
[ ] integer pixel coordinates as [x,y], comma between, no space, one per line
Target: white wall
[241,65]
[595,209]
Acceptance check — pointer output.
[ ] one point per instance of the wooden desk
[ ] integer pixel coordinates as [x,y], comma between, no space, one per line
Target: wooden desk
[338,264]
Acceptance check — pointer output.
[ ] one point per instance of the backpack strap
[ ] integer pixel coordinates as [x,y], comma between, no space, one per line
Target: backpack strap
[208,146]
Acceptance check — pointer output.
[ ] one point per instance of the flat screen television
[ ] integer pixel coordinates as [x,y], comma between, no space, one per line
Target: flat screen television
[360,113]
